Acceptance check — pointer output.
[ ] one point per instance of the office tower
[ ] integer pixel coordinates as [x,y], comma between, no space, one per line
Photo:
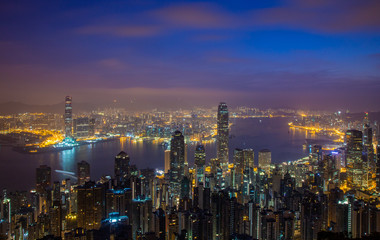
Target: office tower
[83,172]
[90,204]
[55,214]
[167,161]
[122,167]
[91,127]
[375,136]
[68,117]
[200,161]
[159,224]
[177,162]
[56,192]
[239,167]
[378,170]
[116,201]
[354,158]
[311,221]
[265,159]
[43,178]
[249,158]
[81,127]
[222,135]
[186,163]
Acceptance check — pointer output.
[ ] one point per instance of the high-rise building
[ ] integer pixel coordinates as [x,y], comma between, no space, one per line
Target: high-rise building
[122,167]
[378,170]
[90,203]
[354,158]
[43,178]
[222,135]
[200,161]
[177,162]
[249,158]
[68,116]
[83,172]
[83,127]
[265,159]
[167,161]
[55,213]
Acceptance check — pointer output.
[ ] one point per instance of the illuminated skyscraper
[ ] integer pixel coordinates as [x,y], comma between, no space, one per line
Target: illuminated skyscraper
[222,135]
[167,161]
[83,127]
[83,172]
[354,158]
[122,167]
[90,203]
[265,159]
[177,162]
[244,163]
[43,178]
[368,145]
[378,169]
[200,160]
[68,117]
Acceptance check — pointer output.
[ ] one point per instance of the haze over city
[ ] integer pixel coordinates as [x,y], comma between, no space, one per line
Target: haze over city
[302,54]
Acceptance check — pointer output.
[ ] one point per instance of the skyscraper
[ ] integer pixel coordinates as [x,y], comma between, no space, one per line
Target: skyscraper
[122,166]
[177,162]
[200,160]
[83,172]
[354,157]
[167,161]
[265,159]
[43,178]
[222,135]
[68,116]
[90,204]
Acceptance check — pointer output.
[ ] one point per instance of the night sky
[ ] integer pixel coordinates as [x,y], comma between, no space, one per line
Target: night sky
[318,54]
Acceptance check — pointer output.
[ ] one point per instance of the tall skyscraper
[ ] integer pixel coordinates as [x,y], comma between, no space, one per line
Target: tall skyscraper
[378,169]
[368,145]
[90,204]
[167,161]
[222,135]
[83,172]
[43,178]
[122,167]
[200,161]
[265,159]
[68,116]
[177,162]
[354,158]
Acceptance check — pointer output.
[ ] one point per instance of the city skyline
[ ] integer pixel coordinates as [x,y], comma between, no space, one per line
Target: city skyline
[303,54]
[190,120]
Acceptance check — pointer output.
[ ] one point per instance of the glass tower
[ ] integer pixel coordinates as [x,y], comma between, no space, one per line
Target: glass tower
[68,117]
[222,136]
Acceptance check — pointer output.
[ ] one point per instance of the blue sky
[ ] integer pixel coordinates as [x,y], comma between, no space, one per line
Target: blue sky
[297,53]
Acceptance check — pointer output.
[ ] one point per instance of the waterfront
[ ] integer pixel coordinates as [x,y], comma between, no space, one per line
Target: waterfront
[256,133]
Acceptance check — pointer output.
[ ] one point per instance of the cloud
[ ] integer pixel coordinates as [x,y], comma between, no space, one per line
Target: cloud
[323,16]
[121,30]
[197,15]
[113,64]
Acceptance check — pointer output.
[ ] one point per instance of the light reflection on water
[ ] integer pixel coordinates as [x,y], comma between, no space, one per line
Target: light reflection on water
[17,170]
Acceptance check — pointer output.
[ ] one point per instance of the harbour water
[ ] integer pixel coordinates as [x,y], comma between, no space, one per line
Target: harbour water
[17,170]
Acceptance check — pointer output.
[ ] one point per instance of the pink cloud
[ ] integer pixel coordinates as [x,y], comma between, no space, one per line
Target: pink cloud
[196,15]
[121,30]
[323,16]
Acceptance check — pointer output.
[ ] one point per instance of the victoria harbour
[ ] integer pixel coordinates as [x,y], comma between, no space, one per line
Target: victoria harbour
[255,133]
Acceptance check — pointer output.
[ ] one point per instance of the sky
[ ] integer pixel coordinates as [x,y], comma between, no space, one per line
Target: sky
[318,54]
